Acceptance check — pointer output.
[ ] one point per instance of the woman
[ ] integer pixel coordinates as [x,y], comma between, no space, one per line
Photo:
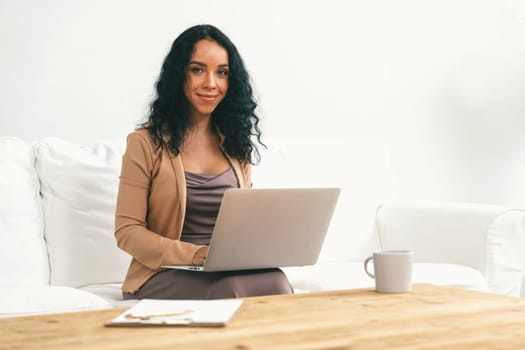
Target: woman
[195,144]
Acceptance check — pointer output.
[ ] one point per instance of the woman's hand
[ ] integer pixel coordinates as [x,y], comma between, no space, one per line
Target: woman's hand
[200,256]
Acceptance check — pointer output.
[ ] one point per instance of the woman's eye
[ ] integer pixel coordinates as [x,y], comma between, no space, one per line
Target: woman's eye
[224,73]
[196,70]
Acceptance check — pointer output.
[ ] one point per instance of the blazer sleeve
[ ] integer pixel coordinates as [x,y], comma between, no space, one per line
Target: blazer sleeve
[152,249]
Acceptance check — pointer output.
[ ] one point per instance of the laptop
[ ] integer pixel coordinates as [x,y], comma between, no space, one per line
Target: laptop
[268,228]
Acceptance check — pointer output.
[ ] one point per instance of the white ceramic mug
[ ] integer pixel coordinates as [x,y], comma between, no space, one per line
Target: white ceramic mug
[392,270]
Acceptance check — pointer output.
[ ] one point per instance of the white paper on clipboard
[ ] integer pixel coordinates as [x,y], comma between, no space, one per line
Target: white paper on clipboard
[155,312]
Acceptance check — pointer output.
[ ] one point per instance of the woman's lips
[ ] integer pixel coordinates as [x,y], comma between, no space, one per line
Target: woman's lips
[208,98]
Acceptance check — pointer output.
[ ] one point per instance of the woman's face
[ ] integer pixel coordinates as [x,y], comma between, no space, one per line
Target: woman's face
[207,78]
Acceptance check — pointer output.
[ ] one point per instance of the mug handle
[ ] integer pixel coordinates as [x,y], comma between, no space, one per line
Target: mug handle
[366,266]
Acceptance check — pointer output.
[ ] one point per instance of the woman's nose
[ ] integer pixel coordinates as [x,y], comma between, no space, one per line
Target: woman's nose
[209,82]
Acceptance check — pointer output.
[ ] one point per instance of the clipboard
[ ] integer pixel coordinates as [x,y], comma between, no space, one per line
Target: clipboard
[156,312]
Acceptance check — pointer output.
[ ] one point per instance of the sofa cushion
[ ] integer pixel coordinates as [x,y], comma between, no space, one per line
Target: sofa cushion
[347,275]
[111,292]
[23,256]
[79,186]
[15,301]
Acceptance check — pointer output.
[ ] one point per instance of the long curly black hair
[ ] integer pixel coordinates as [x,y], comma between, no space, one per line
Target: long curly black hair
[234,117]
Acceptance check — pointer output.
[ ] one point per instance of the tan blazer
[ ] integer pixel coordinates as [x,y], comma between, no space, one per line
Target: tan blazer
[151,205]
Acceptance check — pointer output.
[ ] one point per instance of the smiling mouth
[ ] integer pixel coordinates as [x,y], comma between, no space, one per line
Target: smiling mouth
[208,98]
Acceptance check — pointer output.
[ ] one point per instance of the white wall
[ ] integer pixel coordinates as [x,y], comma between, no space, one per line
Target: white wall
[441,83]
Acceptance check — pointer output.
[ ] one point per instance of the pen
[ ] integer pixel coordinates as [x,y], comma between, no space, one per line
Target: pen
[147,317]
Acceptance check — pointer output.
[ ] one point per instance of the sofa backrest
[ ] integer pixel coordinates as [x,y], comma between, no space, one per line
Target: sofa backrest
[23,256]
[79,185]
[359,165]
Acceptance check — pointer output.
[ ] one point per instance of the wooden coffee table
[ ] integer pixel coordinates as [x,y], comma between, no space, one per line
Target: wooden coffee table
[430,317]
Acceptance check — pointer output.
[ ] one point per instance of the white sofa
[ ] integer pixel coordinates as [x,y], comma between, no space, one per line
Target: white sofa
[58,253]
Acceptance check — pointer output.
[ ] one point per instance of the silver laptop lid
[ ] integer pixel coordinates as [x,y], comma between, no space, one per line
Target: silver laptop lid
[266,228]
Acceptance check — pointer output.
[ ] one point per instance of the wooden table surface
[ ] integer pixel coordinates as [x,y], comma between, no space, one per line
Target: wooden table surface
[430,317]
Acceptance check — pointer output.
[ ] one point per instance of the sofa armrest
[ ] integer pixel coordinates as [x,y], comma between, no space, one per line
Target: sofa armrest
[488,238]
[505,260]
